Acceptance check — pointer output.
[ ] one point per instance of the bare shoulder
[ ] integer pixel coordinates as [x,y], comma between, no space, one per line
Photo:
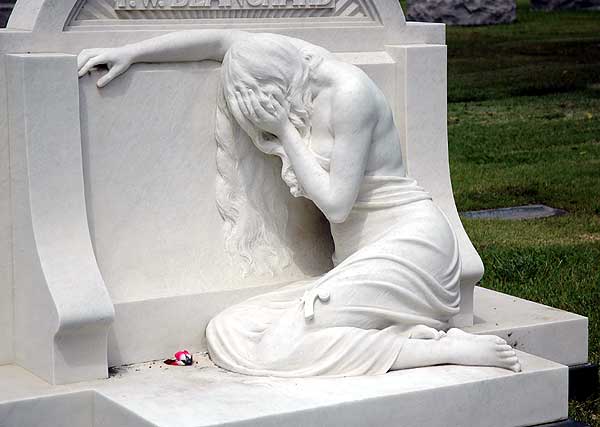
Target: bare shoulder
[355,100]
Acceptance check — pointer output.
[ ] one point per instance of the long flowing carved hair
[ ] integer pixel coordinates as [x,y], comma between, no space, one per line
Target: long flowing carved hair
[253,188]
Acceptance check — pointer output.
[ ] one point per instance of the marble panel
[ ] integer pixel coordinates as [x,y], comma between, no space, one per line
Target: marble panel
[150,188]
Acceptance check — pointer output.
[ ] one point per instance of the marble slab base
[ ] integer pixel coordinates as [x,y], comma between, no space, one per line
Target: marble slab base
[179,322]
[204,395]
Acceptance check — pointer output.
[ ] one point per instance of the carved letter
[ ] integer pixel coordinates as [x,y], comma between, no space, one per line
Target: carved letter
[257,3]
[322,3]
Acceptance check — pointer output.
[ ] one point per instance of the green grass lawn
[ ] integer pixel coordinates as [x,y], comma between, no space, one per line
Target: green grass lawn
[524,127]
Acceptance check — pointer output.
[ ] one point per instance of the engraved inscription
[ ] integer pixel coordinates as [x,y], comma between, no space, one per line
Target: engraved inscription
[222,4]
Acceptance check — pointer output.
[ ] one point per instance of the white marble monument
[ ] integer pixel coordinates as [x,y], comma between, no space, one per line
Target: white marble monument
[124,231]
[395,282]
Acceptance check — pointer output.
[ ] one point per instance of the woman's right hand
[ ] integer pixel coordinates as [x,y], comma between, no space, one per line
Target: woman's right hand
[117,59]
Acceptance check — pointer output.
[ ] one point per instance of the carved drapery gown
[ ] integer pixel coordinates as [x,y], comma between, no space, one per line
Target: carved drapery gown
[396,266]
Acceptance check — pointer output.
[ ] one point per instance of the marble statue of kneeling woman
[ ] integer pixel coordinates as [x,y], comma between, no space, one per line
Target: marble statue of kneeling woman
[394,287]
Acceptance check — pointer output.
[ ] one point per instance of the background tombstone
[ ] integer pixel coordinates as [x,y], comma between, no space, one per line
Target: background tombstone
[565,4]
[6,7]
[463,12]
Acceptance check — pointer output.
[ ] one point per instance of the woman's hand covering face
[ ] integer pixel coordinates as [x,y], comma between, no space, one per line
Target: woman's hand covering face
[265,113]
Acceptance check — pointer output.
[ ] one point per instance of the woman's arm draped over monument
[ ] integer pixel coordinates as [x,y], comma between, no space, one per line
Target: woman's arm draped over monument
[182,46]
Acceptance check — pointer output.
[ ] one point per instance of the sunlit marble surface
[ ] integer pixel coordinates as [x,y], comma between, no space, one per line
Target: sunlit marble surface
[204,395]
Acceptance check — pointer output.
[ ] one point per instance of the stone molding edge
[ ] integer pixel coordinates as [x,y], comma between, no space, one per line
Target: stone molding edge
[425,134]
[40,15]
[61,304]
[52,16]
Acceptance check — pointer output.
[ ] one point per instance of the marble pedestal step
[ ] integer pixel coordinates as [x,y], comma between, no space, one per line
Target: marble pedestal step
[155,328]
[154,394]
[537,329]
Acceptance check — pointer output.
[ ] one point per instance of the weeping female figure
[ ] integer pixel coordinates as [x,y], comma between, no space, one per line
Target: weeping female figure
[387,303]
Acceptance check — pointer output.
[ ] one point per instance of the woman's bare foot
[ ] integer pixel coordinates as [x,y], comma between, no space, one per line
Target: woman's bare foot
[485,350]
[457,348]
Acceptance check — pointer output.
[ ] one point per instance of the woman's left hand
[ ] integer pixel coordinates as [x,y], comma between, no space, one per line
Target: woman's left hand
[266,113]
